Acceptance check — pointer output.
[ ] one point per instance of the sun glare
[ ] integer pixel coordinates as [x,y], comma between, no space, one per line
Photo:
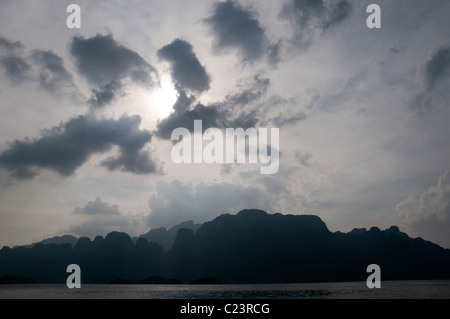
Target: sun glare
[164,98]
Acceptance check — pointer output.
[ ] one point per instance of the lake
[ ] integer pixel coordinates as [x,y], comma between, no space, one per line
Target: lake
[346,290]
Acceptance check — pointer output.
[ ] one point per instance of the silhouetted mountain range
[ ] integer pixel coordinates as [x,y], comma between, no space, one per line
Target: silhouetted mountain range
[165,237]
[250,247]
[66,239]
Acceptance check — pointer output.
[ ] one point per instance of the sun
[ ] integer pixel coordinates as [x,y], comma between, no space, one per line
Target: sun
[163,98]
[153,105]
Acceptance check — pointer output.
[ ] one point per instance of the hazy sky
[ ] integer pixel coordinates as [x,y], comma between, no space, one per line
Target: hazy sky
[87,114]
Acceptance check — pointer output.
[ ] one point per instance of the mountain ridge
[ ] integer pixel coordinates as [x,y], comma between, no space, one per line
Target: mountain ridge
[249,247]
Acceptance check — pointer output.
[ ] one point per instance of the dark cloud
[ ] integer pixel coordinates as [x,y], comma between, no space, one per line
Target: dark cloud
[97,207]
[433,73]
[105,95]
[312,17]
[134,162]
[52,75]
[106,64]
[211,117]
[16,68]
[44,67]
[187,71]
[437,67]
[67,147]
[174,202]
[101,59]
[236,27]
[10,46]
[228,113]
[184,100]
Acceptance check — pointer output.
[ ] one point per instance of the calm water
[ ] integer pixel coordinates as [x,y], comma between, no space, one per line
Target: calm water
[353,290]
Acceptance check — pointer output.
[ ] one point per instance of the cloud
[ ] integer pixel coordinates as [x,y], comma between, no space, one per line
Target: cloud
[106,64]
[67,147]
[211,117]
[225,114]
[437,67]
[283,120]
[103,225]
[105,94]
[274,52]
[135,162]
[429,213]
[174,202]
[236,27]
[10,46]
[304,159]
[251,92]
[16,68]
[43,67]
[52,75]
[225,169]
[97,207]
[314,17]
[433,73]
[184,100]
[103,218]
[101,59]
[187,71]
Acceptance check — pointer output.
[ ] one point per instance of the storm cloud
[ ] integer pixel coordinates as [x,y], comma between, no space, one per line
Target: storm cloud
[236,27]
[187,71]
[68,146]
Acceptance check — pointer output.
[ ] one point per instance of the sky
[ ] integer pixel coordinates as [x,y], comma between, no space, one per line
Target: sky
[87,113]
